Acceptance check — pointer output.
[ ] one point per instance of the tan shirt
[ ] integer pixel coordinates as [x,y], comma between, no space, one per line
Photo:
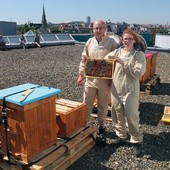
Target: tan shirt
[95,50]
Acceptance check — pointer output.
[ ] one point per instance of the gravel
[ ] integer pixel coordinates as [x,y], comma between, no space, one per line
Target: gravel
[57,66]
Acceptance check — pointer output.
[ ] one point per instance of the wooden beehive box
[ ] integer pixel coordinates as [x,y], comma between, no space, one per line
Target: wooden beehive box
[31,123]
[70,117]
[153,62]
[147,75]
[166,116]
[99,68]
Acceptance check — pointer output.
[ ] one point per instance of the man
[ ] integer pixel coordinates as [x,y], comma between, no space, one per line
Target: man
[97,47]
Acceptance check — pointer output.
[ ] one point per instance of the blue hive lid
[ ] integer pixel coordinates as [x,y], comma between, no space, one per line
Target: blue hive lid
[38,93]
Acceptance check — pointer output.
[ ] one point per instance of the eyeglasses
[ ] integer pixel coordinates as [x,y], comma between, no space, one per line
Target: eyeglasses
[98,28]
[129,39]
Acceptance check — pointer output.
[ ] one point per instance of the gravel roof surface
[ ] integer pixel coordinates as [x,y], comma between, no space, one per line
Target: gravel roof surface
[57,67]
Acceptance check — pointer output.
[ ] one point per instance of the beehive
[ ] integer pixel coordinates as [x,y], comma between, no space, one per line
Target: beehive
[153,62]
[147,74]
[31,123]
[70,117]
[150,66]
[166,116]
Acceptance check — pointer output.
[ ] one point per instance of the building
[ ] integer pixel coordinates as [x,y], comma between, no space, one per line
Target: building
[44,20]
[88,20]
[8,28]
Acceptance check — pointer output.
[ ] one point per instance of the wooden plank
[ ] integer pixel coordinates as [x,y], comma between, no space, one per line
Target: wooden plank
[148,86]
[67,102]
[6,166]
[36,167]
[73,155]
[84,134]
[81,150]
[69,152]
[153,80]
[46,161]
[76,156]
[66,154]
[74,134]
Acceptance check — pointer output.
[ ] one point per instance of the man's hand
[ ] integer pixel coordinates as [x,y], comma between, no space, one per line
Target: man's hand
[80,80]
[83,58]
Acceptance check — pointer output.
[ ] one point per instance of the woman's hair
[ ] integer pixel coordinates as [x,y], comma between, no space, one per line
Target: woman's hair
[140,44]
[132,32]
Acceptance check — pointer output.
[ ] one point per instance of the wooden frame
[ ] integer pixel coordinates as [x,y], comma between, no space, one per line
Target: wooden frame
[99,68]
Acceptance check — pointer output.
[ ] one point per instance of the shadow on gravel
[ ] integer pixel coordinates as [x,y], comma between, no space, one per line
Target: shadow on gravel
[161,89]
[157,146]
[151,113]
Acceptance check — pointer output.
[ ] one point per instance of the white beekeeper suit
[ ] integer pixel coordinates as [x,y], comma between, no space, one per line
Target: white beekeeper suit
[125,92]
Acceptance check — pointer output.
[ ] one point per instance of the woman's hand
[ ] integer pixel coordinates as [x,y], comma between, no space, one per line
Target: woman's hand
[119,60]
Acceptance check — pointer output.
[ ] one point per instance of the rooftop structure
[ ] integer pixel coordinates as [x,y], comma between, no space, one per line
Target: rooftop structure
[44,20]
[45,40]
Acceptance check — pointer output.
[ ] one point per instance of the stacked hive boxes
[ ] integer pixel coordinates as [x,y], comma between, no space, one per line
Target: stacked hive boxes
[150,66]
[31,123]
[70,117]
[153,62]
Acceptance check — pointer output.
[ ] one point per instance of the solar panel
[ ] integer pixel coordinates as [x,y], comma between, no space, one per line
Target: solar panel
[49,37]
[45,39]
[64,37]
[6,39]
[14,39]
[30,39]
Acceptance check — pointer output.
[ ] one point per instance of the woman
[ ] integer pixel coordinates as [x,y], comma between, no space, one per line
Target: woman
[130,66]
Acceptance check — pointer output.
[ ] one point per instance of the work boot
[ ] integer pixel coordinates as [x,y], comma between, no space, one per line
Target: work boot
[137,149]
[101,139]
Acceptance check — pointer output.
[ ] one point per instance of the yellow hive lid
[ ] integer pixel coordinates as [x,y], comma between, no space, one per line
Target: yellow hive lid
[166,116]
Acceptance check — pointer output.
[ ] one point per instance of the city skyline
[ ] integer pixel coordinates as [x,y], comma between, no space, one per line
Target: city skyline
[134,11]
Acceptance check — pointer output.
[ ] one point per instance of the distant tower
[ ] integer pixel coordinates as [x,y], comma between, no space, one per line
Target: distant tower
[88,20]
[44,21]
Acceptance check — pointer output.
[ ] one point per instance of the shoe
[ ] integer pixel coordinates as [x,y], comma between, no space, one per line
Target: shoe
[119,142]
[101,139]
[101,130]
[94,110]
[137,149]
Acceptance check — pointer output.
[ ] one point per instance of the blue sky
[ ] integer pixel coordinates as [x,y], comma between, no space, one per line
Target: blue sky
[130,11]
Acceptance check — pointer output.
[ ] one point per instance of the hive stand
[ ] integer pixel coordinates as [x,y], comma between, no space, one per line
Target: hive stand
[149,85]
[66,154]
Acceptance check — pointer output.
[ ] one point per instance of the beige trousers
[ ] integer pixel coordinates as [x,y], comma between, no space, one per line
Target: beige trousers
[127,112]
[101,90]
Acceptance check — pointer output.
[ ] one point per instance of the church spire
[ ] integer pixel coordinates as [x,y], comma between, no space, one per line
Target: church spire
[44,21]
